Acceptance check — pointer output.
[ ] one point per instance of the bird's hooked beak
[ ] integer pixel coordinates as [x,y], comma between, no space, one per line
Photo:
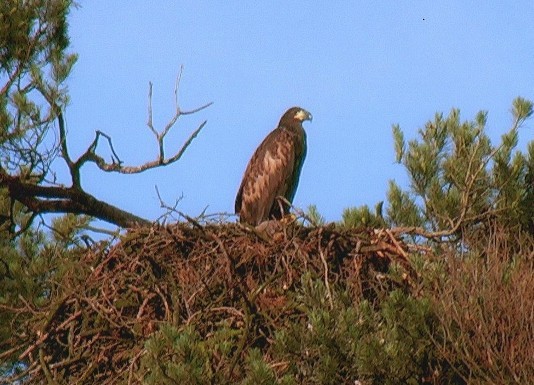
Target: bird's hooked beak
[303,115]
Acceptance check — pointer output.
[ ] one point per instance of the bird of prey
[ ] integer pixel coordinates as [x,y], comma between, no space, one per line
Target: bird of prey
[272,175]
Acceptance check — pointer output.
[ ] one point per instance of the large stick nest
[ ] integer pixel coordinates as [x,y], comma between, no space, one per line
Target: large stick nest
[188,274]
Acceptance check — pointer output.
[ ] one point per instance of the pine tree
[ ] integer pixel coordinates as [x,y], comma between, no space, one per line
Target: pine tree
[459,182]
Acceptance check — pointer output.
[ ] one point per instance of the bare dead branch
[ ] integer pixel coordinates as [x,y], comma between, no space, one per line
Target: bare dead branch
[116,165]
[149,122]
[169,209]
[90,156]
[179,154]
[115,158]
[172,210]
[160,161]
[326,281]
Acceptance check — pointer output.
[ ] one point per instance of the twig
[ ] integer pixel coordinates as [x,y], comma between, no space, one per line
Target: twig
[400,250]
[45,368]
[132,363]
[172,209]
[325,266]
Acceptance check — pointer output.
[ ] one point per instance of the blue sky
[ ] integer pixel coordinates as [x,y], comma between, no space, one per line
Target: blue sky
[359,67]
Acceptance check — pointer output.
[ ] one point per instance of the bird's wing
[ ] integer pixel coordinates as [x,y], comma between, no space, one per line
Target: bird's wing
[267,176]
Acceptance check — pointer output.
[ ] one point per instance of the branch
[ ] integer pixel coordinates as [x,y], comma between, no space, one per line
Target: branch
[23,62]
[171,210]
[51,199]
[116,164]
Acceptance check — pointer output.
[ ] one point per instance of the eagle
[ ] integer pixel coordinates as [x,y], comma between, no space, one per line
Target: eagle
[272,175]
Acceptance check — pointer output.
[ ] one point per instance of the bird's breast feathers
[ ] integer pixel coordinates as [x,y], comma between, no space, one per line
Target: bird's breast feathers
[272,161]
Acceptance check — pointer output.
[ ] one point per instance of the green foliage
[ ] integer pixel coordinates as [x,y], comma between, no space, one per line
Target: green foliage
[30,268]
[350,342]
[402,210]
[458,179]
[334,342]
[321,347]
[522,109]
[362,216]
[34,64]
[67,229]
[478,196]
[399,349]
[259,372]
[400,144]
[314,216]
[176,357]
[180,355]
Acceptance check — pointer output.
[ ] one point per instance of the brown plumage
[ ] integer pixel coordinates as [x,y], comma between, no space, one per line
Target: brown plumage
[274,171]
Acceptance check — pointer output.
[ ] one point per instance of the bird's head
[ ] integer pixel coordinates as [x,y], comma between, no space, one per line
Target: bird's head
[295,114]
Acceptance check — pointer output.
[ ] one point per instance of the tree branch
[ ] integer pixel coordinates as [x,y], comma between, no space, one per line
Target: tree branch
[116,164]
[51,199]
[32,190]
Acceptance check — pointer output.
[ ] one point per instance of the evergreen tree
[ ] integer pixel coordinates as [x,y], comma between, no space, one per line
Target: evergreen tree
[459,182]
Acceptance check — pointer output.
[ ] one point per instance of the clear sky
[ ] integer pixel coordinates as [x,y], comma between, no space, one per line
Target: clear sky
[357,66]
